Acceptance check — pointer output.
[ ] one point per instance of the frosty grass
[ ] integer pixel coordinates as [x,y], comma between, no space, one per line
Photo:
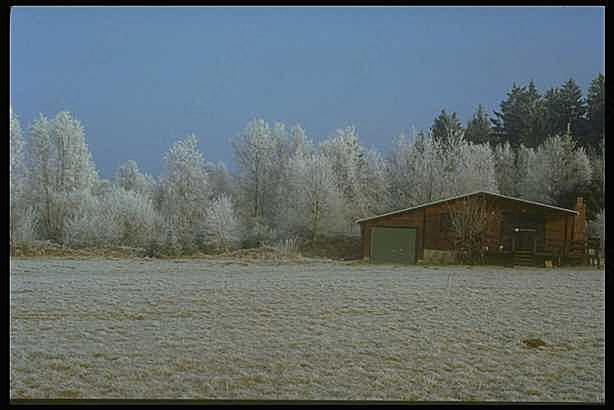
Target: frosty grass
[147,329]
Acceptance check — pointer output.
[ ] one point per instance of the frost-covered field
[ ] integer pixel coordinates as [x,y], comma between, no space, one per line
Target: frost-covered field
[220,330]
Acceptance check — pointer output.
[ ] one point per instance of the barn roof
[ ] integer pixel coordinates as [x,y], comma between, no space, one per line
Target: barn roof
[533,203]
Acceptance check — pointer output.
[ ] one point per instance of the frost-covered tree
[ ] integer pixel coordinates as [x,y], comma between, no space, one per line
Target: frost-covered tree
[137,216]
[292,144]
[90,223]
[61,170]
[74,173]
[475,170]
[413,167]
[253,152]
[594,192]
[130,178]
[262,154]
[185,189]
[422,169]
[41,160]
[220,180]
[75,168]
[556,170]
[596,228]
[505,169]
[359,174]
[511,167]
[113,217]
[221,225]
[299,143]
[372,180]
[21,220]
[102,187]
[16,158]
[317,207]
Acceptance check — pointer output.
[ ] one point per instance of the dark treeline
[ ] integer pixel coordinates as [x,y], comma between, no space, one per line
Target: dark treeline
[527,117]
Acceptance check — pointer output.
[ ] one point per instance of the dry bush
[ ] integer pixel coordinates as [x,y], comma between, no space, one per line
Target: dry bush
[288,247]
[469,218]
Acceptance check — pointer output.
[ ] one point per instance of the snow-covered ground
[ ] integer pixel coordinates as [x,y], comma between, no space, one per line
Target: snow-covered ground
[319,330]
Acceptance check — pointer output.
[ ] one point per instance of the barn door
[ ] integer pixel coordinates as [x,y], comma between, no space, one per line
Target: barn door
[393,245]
[524,239]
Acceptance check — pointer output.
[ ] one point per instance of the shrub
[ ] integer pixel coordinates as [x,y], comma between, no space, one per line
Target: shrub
[287,247]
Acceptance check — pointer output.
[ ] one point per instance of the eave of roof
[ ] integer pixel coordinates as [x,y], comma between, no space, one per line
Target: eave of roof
[526,201]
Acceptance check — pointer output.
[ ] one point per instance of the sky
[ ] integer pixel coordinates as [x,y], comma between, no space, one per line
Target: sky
[140,78]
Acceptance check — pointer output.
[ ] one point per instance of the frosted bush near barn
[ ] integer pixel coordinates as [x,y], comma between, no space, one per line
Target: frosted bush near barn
[422,169]
[556,168]
[401,173]
[475,170]
[511,169]
[505,169]
[596,228]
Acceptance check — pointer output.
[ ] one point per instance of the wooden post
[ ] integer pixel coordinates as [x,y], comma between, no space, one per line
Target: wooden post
[423,233]
[564,250]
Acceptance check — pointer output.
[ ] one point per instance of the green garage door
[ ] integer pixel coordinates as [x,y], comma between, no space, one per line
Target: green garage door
[393,245]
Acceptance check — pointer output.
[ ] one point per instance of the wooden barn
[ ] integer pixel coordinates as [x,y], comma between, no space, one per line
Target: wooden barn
[515,231]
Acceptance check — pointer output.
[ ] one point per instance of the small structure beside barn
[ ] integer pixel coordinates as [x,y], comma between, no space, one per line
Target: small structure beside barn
[514,232]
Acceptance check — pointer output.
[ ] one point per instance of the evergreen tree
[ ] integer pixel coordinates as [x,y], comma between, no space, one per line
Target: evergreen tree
[574,108]
[596,112]
[447,128]
[478,129]
[554,117]
[521,118]
[565,107]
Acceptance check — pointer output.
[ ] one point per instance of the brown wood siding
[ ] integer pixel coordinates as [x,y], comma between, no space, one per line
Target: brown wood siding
[557,225]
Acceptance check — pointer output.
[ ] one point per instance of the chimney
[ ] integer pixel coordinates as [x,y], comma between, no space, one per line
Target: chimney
[580,220]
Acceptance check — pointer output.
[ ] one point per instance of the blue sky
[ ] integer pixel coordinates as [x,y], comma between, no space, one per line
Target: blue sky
[138,78]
